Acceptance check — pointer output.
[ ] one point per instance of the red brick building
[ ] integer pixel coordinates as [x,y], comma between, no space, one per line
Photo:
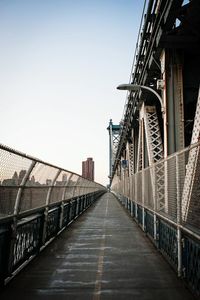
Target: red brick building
[88,168]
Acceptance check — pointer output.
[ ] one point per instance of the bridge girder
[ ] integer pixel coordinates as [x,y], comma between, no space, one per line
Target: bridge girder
[171,63]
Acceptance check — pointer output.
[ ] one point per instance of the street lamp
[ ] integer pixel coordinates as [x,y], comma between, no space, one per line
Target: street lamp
[136,87]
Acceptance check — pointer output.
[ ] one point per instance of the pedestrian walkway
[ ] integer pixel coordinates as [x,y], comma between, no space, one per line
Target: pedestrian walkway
[102,255]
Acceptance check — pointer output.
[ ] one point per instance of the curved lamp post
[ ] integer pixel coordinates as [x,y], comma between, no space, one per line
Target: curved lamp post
[136,87]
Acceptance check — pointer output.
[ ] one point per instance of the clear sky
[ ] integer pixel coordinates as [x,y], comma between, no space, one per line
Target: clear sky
[60,63]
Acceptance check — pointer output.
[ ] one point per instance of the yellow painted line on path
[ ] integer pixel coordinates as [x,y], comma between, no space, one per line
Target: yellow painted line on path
[97,290]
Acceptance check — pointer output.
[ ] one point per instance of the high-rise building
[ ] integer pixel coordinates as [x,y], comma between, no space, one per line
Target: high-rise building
[88,168]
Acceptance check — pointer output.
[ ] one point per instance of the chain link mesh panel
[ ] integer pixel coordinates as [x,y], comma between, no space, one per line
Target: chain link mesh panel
[7,200]
[12,171]
[13,168]
[56,194]
[42,175]
[171,193]
[148,191]
[139,187]
[33,197]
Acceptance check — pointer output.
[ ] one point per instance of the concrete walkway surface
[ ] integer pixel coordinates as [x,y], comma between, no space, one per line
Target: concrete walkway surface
[102,255]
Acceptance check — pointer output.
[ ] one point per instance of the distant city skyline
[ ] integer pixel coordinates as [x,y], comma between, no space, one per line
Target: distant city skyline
[16,180]
[60,64]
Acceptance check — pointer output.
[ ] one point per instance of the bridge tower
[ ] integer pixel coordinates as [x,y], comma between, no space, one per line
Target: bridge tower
[114,137]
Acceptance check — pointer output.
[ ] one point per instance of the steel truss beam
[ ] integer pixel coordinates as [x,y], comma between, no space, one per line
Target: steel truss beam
[192,168]
[153,135]
[149,128]
[131,158]
[155,152]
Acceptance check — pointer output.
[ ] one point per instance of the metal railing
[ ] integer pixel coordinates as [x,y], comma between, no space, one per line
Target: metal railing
[173,224]
[37,201]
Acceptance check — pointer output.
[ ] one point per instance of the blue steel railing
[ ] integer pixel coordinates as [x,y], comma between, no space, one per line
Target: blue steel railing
[149,224]
[166,242]
[37,201]
[191,262]
[21,241]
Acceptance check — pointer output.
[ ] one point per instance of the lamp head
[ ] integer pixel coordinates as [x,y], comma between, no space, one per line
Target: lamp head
[128,87]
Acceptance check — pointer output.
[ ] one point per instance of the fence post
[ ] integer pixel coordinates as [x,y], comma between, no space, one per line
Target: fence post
[63,203]
[47,207]
[13,235]
[22,184]
[131,208]
[136,197]
[143,193]
[154,202]
[179,240]
[61,214]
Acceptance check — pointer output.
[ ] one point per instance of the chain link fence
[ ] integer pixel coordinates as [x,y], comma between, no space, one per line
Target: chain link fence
[27,183]
[170,187]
